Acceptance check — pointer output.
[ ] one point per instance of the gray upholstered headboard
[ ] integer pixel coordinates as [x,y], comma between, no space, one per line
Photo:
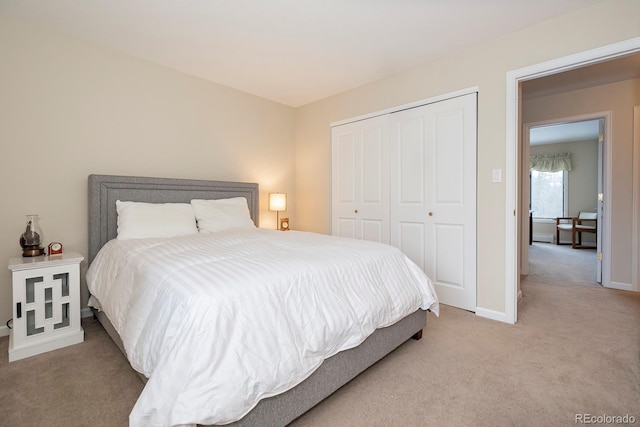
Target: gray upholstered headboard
[104,190]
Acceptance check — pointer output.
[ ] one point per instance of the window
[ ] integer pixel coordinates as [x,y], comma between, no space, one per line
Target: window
[548,194]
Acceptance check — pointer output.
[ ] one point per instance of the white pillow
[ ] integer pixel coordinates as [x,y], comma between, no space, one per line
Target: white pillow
[137,220]
[222,214]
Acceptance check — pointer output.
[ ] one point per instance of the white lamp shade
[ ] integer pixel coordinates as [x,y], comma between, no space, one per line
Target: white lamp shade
[277,202]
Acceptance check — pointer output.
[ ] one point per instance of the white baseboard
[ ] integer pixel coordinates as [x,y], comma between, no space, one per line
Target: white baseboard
[621,286]
[4,331]
[545,238]
[491,314]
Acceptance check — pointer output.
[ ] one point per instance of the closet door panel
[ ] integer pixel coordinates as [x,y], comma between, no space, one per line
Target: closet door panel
[452,200]
[446,201]
[360,180]
[344,181]
[373,210]
[433,182]
[408,156]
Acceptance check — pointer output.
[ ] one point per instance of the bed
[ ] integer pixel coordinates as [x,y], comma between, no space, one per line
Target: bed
[334,372]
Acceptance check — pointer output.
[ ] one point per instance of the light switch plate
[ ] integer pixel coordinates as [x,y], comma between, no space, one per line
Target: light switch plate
[496,176]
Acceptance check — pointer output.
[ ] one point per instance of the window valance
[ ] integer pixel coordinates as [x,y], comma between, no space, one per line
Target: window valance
[550,162]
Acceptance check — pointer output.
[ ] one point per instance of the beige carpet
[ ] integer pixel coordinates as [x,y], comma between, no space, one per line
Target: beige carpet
[568,354]
[561,265]
[575,349]
[87,384]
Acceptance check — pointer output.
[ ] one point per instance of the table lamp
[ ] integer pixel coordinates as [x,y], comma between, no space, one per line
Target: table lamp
[277,203]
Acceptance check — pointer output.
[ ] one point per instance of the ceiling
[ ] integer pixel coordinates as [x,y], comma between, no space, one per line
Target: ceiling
[565,132]
[290,51]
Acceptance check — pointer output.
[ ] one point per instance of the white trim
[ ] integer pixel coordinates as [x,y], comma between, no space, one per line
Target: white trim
[621,286]
[608,190]
[4,331]
[491,314]
[525,232]
[544,238]
[565,193]
[512,151]
[577,60]
[514,77]
[431,100]
[635,226]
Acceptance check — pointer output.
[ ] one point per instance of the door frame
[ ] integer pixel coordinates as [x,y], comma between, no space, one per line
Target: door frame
[635,250]
[513,148]
[604,162]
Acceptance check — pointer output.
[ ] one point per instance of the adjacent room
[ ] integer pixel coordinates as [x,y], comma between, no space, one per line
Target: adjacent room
[572,139]
[315,213]
[563,184]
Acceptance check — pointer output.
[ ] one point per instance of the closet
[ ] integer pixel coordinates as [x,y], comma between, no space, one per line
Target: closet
[408,178]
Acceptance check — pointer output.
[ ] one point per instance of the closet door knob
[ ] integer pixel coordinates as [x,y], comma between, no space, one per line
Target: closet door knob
[430,213]
[356,211]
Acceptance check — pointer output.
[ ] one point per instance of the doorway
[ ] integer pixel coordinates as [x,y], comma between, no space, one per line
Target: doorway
[565,160]
[513,150]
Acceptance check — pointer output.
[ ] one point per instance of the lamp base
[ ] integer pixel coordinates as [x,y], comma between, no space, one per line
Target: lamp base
[31,251]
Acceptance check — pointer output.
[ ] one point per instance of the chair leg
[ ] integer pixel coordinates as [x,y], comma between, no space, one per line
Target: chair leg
[573,238]
[579,245]
[557,236]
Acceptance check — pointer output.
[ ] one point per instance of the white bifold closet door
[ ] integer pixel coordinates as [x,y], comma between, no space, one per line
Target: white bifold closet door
[360,180]
[433,194]
[408,178]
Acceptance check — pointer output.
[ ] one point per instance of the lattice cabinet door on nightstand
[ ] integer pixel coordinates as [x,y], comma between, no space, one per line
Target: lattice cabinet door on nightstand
[46,304]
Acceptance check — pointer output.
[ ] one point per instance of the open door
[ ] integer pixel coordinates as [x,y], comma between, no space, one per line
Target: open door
[600,201]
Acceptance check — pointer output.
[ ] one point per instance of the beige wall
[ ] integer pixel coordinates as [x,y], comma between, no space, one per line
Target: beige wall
[483,65]
[618,98]
[582,183]
[69,109]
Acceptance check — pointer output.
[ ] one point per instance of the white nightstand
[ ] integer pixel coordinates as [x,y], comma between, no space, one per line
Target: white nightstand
[46,304]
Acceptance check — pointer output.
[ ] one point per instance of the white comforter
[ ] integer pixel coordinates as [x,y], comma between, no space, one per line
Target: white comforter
[219,321]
